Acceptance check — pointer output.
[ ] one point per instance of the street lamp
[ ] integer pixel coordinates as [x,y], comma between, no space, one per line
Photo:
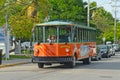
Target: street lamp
[88,12]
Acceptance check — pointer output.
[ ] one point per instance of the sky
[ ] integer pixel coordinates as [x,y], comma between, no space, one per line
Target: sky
[107,4]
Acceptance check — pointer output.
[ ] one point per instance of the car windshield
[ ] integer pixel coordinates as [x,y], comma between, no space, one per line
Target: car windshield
[102,46]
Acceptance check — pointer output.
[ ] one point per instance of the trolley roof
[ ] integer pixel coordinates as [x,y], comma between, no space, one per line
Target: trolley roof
[55,23]
[61,23]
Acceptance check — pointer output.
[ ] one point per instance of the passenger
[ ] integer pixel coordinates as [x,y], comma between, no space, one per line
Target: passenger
[49,39]
[68,37]
[53,38]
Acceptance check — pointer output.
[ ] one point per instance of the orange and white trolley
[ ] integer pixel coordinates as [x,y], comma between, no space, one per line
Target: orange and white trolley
[63,42]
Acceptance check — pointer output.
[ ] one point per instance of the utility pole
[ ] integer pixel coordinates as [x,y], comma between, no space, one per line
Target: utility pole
[7,39]
[115,25]
[88,13]
[115,8]
[7,35]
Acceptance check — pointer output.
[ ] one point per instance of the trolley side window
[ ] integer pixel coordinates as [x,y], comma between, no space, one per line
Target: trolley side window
[38,34]
[65,34]
[50,34]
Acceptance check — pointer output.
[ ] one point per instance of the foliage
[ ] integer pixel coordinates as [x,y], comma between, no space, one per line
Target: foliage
[71,10]
[17,57]
[109,33]
[118,32]
[93,4]
[102,19]
[23,14]
[21,26]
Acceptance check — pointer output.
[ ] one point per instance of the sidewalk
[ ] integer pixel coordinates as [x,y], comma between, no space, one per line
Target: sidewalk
[7,63]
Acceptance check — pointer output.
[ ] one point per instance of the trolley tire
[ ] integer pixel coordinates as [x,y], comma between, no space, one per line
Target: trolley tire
[73,63]
[87,60]
[40,65]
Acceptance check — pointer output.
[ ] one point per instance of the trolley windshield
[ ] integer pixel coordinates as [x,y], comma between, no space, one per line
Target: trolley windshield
[56,33]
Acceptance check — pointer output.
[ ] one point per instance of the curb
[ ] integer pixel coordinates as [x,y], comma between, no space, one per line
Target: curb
[14,64]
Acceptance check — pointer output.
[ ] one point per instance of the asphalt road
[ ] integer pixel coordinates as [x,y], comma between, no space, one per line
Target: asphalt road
[106,69]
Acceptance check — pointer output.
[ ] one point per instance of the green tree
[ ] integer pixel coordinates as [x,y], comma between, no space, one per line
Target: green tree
[72,10]
[109,34]
[118,32]
[23,14]
[102,19]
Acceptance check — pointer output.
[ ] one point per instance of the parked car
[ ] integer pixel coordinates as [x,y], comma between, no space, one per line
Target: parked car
[111,50]
[104,50]
[116,47]
[25,44]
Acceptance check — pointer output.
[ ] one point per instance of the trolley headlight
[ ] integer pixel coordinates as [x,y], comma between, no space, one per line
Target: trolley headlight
[36,50]
[67,50]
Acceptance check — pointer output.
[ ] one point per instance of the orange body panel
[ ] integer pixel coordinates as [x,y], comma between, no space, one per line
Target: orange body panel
[82,50]
[53,50]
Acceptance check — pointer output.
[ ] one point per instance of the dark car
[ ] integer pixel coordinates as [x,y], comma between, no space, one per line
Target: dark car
[104,51]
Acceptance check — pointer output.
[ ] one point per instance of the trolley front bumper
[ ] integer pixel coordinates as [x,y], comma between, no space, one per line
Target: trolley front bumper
[52,59]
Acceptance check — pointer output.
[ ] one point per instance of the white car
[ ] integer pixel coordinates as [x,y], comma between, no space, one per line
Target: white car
[25,45]
[111,50]
[116,47]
